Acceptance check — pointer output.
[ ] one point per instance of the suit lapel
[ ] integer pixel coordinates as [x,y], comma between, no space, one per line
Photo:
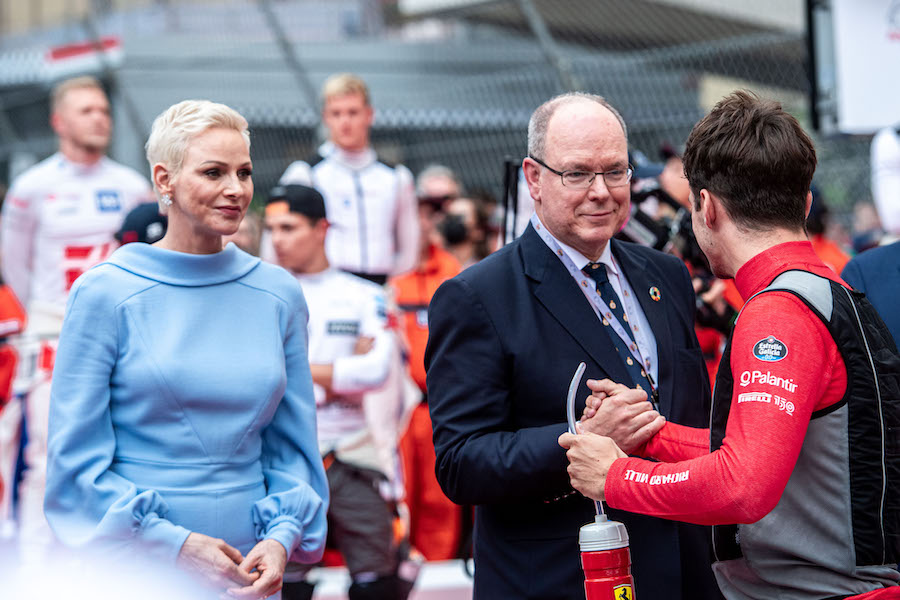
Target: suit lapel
[643,276]
[558,292]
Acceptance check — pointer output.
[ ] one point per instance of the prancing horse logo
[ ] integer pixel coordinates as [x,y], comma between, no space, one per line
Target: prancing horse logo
[623,592]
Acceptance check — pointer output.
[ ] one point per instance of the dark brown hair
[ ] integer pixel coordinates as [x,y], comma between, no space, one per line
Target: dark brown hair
[755,157]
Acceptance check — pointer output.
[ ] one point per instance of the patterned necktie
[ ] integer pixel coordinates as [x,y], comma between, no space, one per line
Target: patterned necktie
[613,307]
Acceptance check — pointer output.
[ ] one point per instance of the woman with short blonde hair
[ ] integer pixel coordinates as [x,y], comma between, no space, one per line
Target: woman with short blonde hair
[182,417]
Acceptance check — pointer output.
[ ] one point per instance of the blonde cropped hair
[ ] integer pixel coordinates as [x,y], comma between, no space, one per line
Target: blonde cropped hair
[342,84]
[173,129]
[74,83]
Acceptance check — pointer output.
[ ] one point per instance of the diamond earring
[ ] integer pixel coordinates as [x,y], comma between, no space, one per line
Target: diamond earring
[166,199]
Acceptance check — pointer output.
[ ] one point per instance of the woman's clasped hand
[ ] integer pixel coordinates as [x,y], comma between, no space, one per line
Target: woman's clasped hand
[258,575]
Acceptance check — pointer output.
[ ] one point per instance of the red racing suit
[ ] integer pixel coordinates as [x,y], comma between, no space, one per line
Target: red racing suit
[772,403]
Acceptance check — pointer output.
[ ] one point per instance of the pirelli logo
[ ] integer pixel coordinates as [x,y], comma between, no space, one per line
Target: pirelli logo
[754,397]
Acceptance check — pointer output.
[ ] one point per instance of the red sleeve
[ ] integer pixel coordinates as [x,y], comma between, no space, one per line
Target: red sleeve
[676,442]
[12,315]
[12,321]
[771,407]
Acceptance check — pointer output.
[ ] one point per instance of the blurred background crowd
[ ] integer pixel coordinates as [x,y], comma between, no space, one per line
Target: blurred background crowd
[453,82]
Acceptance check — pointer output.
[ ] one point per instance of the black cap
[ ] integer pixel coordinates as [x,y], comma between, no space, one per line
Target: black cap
[643,168]
[300,199]
[143,224]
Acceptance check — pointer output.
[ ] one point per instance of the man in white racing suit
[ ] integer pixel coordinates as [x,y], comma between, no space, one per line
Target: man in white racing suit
[371,204]
[350,352]
[58,220]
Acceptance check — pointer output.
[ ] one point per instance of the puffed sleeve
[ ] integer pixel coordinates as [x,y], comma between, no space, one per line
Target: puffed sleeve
[85,502]
[293,512]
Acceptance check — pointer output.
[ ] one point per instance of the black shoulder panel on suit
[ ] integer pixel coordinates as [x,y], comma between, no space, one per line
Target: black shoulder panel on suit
[391,165]
[314,159]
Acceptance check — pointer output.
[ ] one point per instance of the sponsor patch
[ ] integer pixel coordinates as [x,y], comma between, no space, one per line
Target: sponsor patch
[66,210]
[623,592]
[748,377]
[108,201]
[343,327]
[155,231]
[770,349]
[755,397]
[784,404]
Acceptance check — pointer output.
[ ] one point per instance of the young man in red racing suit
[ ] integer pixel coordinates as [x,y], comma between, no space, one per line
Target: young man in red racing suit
[800,470]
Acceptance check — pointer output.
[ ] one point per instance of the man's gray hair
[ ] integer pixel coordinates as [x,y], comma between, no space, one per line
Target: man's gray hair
[540,118]
[433,171]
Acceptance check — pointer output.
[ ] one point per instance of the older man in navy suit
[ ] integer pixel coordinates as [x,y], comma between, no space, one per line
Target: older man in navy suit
[876,273]
[507,335]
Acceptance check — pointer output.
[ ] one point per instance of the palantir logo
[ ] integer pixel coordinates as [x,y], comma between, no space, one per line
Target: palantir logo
[770,349]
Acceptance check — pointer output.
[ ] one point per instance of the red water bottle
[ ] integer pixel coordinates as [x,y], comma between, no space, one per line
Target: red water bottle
[606,560]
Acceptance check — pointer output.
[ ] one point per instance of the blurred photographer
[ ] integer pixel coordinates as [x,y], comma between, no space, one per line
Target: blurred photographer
[435,521]
[661,219]
[818,226]
[464,230]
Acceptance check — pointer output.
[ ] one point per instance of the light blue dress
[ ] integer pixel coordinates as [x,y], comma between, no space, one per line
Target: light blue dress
[182,401]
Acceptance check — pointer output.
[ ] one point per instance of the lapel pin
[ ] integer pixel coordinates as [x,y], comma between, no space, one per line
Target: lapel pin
[654,293]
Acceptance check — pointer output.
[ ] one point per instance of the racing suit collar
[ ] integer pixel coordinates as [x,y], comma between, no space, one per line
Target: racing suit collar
[79,168]
[759,271]
[353,160]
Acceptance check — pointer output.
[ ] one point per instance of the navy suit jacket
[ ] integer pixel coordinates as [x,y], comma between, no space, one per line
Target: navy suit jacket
[876,273]
[506,336]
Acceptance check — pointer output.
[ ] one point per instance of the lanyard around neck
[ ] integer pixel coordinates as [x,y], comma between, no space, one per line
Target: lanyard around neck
[587,287]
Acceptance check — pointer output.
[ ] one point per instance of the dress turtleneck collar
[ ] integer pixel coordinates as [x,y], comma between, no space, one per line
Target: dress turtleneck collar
[181,268]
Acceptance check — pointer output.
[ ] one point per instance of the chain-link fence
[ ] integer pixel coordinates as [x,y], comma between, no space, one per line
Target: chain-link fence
[452,82]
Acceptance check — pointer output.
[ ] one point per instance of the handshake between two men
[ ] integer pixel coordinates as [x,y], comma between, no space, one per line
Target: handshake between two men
[617,421]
